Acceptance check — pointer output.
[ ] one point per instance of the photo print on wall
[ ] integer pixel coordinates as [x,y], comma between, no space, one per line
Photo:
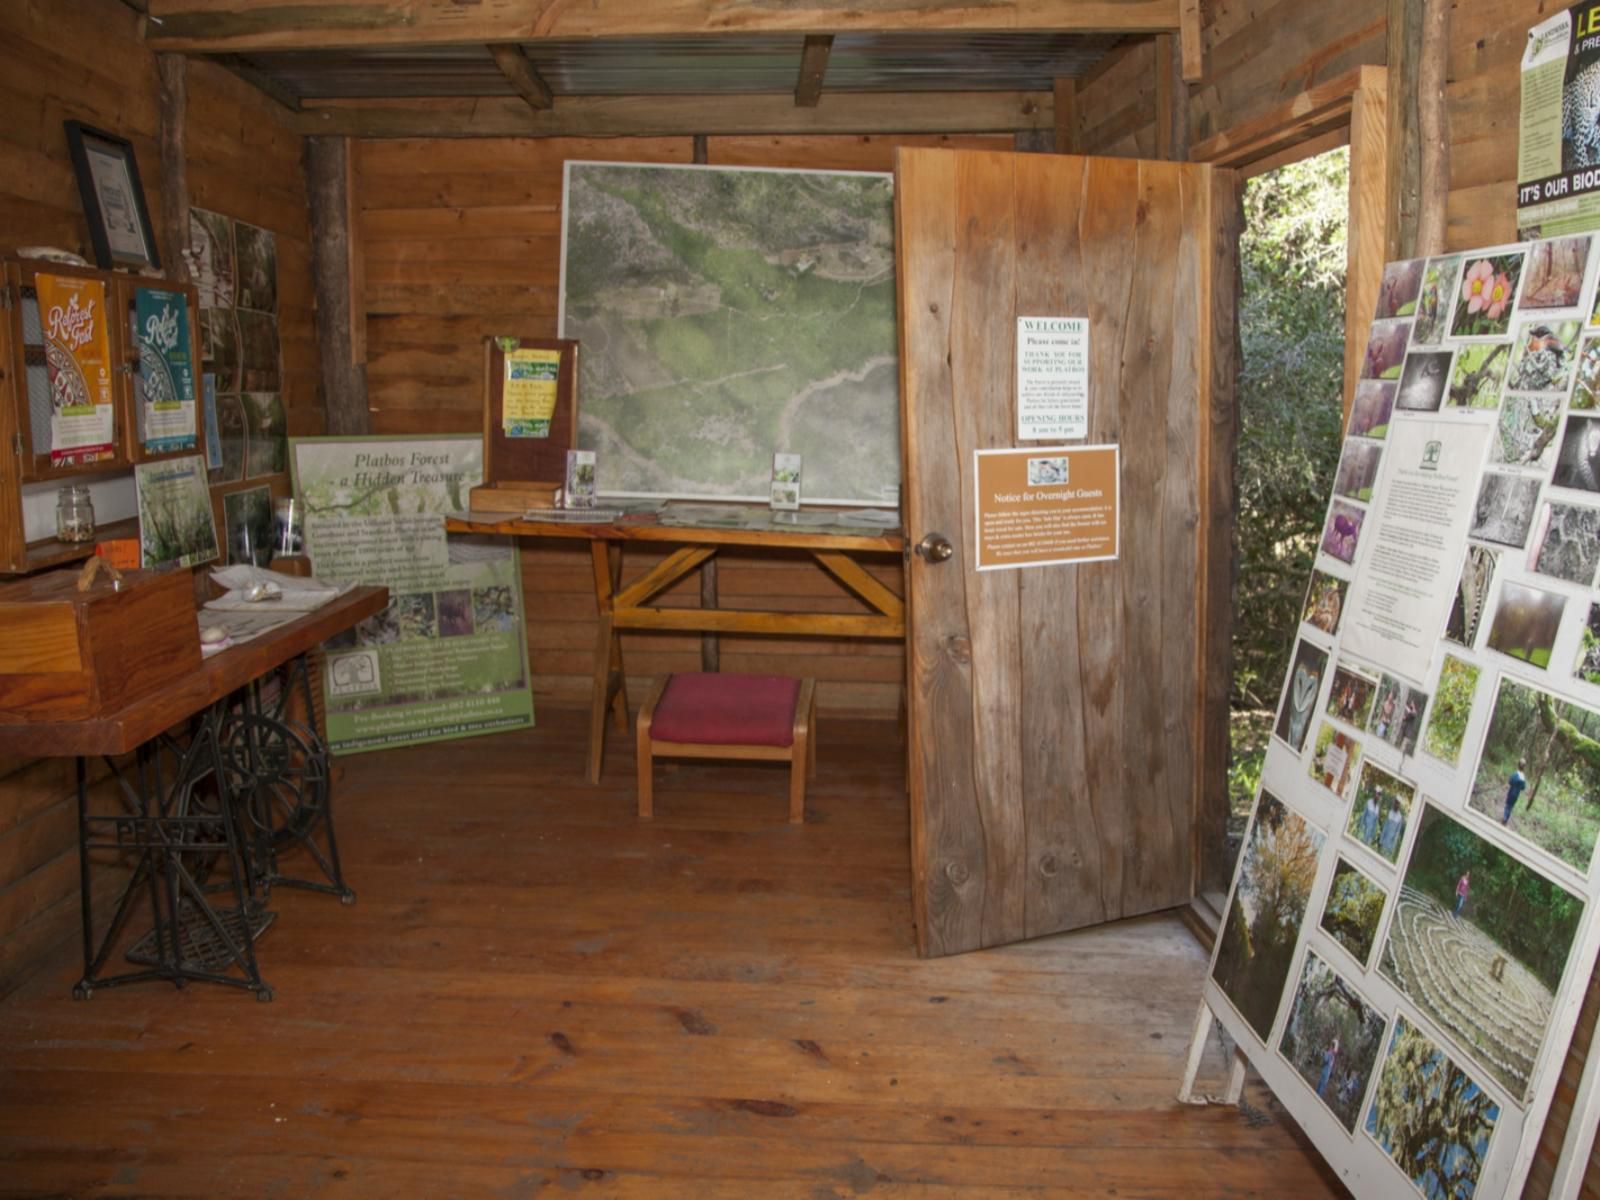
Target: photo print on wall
[1334,756]
[1382,807]
[1578,464]
[1483,302]
[1350,699]
[1324,602]
[1542,359]
[1479,372]
[1386,350]
[1343,531]
[1479,942]
[1399,288]
[1505,508]
[1555,273]
[1526,621]
[1270,893]
[1452,708]
[1332,1039]
[1371,408]
[1300,696]
[1472,595]
[1430,1117]
[1566,543]
[1435,301]
[1352,910]
[1526,433]
[1423,380]
[1539,771]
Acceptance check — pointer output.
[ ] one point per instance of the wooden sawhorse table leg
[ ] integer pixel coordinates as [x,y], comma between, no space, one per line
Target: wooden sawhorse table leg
[610,688]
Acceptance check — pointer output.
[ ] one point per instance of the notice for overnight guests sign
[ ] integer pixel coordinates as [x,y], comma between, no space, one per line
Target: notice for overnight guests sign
[1044,506]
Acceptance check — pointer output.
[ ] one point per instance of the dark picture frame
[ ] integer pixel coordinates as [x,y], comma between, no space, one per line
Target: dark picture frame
[113,197]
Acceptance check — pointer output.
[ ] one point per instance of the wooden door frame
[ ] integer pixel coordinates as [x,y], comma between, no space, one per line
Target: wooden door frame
[1351,109]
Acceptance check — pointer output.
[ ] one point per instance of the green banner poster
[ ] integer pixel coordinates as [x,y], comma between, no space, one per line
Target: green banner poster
[449,657]
[166,371]
[1558,145]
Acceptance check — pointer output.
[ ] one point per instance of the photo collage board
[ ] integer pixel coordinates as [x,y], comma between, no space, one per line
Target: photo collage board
[235,268]
[1412,923]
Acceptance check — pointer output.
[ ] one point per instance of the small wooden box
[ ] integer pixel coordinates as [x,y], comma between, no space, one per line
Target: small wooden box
[68,655]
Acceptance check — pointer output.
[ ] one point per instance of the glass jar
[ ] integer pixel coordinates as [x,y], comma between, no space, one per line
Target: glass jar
[74,514]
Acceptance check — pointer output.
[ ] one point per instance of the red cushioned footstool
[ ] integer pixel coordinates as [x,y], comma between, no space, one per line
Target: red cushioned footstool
[702,715]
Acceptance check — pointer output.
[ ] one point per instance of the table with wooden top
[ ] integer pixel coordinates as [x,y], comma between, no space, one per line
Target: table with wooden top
[629,608]
[162,823]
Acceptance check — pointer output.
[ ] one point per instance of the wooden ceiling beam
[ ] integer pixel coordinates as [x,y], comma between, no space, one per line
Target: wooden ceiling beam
[242,26]
[813,67]
[522,76]
[669,116]
[262,81]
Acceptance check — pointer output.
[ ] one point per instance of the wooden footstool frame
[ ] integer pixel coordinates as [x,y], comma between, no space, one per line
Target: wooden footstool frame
[801,753]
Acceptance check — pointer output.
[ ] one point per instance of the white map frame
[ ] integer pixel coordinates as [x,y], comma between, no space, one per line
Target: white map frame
[882,493]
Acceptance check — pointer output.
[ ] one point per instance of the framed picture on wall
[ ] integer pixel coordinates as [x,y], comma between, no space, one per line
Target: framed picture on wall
[113,198]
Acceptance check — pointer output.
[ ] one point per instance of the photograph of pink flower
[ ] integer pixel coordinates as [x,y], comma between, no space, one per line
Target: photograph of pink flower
[1483,302]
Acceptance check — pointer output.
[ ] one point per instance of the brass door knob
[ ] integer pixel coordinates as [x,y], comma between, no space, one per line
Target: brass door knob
[935,548]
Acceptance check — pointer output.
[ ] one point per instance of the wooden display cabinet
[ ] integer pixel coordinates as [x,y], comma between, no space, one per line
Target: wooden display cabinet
[25,403]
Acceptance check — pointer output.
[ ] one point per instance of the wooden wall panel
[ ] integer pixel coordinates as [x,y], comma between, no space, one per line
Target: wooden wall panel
[82,59]
[1256,56]
[461,239]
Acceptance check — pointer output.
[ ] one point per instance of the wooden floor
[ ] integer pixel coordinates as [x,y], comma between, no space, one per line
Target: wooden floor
[536,995]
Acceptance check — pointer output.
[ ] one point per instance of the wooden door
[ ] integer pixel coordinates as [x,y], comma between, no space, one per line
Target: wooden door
[1054,711]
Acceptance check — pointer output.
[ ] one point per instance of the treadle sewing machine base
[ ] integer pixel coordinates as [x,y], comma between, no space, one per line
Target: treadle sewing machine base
[206,812]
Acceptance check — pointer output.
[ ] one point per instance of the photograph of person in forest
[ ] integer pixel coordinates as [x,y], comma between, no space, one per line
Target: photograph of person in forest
[1498,931]
[1350,698]
[1351,912]
[1332,1039]
[1265,912]
[1430,1116]
[1382,806]
[1554,745]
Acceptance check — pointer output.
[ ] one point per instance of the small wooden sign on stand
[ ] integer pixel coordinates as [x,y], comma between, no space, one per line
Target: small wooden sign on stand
[523,470]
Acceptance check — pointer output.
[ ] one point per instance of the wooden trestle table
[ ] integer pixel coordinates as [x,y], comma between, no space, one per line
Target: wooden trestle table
[171,831]
[623,608]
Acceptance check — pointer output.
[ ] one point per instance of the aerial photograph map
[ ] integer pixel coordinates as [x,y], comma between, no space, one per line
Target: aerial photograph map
[725,315]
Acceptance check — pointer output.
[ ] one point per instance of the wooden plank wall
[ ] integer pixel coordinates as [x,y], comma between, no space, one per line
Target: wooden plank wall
[83,59]
[1255,56]
[461,239]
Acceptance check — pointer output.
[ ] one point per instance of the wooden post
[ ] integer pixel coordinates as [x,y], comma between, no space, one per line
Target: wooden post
[813,67]
[1404,142]
[1066,97]
[1172,101]
[1433,129]
[339,309]
[710,647]
[174,69]
[1219,552]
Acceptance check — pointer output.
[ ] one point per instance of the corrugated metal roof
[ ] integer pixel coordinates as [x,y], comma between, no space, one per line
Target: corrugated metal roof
[698,65]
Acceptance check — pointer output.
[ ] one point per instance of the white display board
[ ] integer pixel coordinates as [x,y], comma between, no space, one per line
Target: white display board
[1412,924]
